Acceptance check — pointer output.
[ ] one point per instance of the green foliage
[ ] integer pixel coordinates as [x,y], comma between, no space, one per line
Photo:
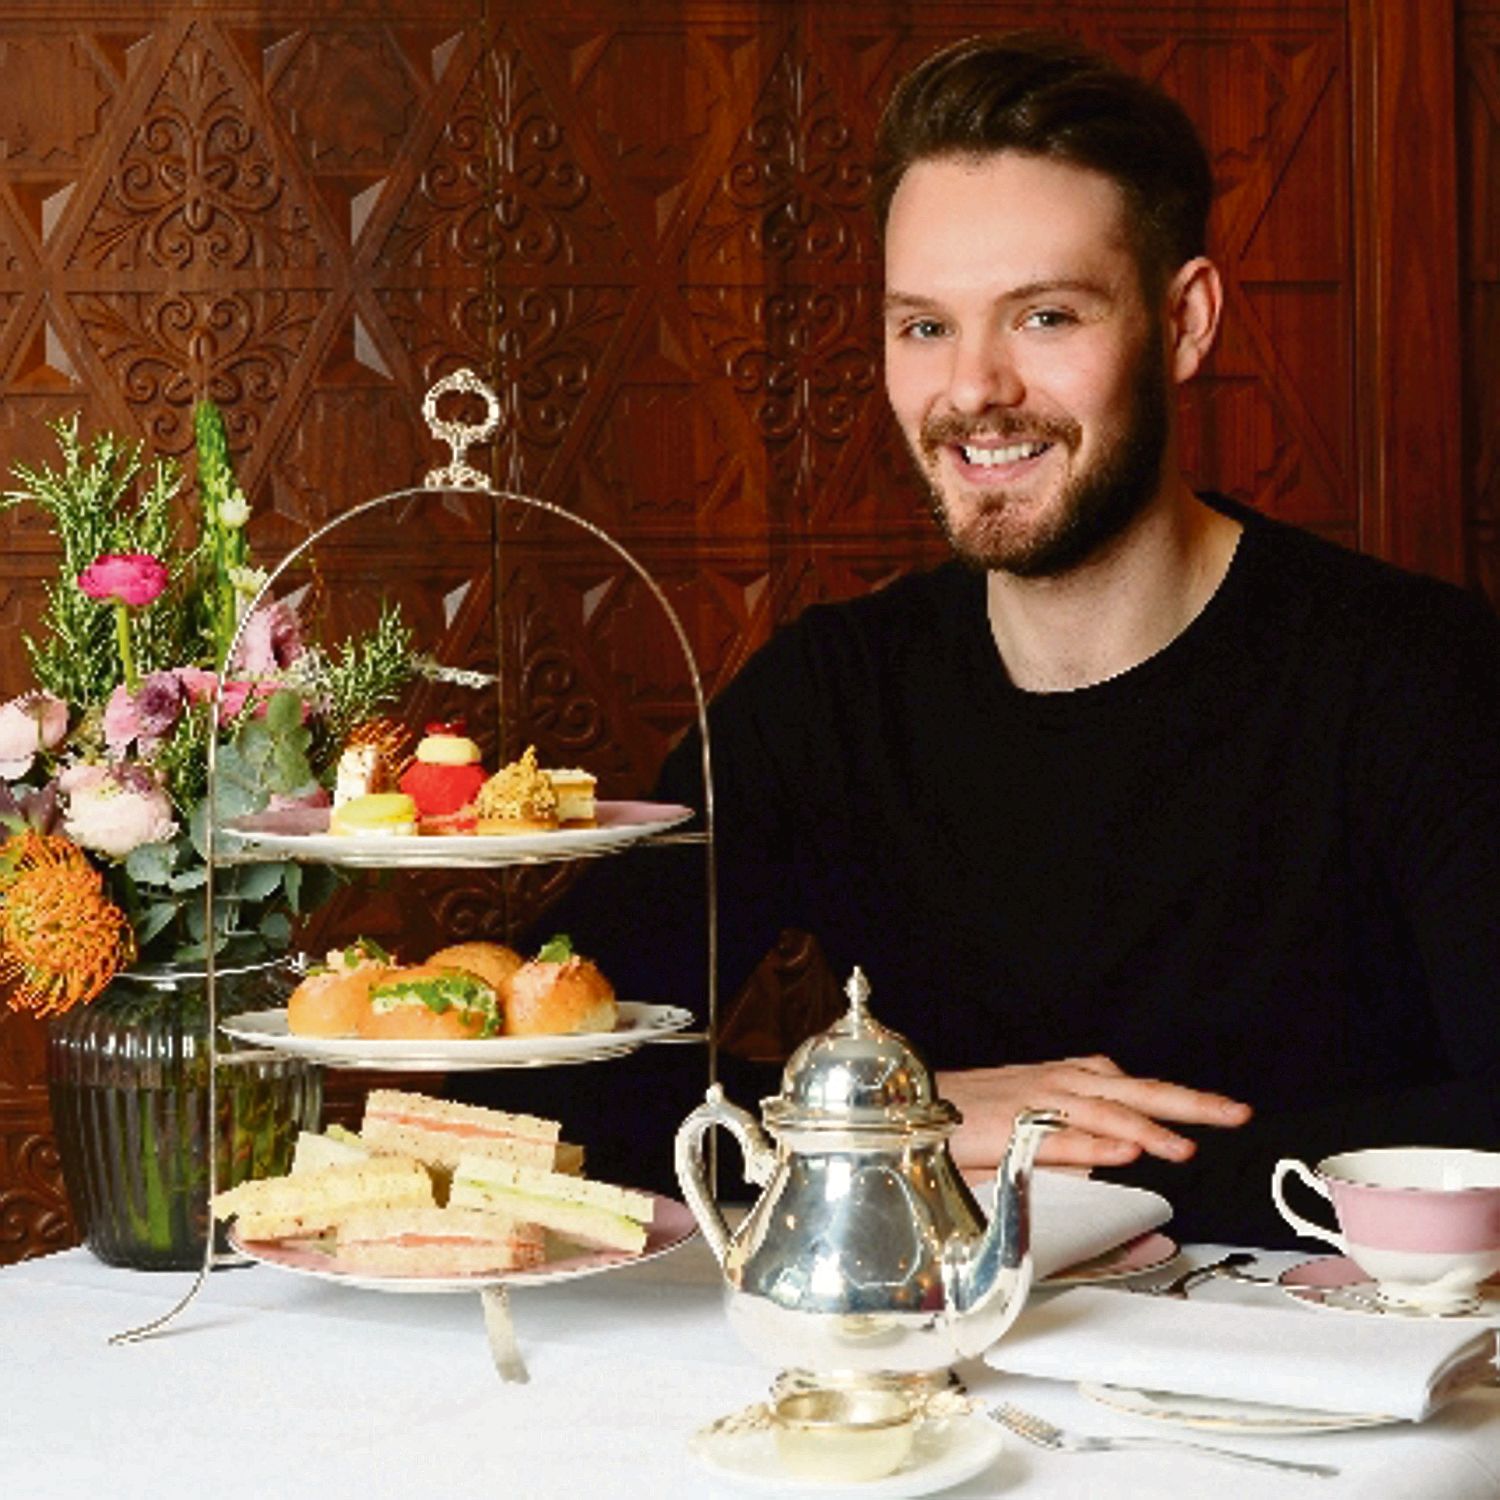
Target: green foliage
[92,509]
[360,677]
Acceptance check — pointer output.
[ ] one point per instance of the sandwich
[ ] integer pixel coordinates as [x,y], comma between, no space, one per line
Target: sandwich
[435,1242]
[424,1002]
[597,1215]
[314,1201]
[334,1147]
[438,1131]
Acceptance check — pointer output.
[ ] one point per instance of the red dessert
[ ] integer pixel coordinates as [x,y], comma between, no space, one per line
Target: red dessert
[444,779]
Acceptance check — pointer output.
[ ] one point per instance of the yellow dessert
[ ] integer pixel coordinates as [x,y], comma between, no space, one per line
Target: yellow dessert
[375,815]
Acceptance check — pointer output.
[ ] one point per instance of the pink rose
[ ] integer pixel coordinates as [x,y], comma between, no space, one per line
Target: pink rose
[271,640]
[130,578]
[146,716]
[29,723]
[114,809]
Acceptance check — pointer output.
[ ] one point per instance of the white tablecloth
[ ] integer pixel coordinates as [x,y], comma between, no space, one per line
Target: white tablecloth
[272,1384]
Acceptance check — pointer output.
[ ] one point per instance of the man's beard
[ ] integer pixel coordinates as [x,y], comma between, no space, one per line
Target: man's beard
[1095,506]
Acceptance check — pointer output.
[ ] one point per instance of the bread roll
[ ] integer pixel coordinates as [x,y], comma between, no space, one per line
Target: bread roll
[490,961]
[332,1001]
[548,998]
[427,1003]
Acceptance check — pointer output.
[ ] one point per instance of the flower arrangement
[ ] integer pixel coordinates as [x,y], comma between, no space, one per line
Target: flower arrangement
[104,762]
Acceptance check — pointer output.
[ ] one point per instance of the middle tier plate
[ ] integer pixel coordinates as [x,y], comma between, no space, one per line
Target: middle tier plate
[638,1024]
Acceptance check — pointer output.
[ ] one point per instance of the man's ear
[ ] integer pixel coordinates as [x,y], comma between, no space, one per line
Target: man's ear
[1195,300]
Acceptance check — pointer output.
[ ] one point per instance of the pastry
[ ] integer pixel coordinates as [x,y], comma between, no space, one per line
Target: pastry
[518,798]
[375,815]
[575,797]
[444,779]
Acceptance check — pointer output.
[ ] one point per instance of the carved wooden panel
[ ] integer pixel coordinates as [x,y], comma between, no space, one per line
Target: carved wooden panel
[645,223]
[1479,146]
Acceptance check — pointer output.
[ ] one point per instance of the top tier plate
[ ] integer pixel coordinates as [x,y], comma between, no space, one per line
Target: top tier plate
[302,833]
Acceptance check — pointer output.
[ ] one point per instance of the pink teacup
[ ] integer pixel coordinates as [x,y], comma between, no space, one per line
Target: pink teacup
[1423,1222]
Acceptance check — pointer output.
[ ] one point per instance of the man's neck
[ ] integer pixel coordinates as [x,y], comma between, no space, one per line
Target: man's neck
[1122,606]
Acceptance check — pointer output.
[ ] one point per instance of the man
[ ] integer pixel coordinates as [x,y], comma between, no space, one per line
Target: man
[1142,780]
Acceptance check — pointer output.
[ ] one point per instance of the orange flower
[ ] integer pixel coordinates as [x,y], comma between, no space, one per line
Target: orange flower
[61,938]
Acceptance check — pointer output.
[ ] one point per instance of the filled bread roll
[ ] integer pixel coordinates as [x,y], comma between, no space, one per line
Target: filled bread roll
[427,1003]
[334,997]
[493,962]
[558,992]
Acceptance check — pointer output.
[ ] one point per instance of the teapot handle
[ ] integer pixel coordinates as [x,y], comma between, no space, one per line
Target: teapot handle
[760,1161]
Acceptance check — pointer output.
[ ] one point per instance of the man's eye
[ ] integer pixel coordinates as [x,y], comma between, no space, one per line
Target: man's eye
[922,329]
[1048,317]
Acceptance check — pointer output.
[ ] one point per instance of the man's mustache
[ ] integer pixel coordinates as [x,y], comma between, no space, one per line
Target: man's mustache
[1007,426]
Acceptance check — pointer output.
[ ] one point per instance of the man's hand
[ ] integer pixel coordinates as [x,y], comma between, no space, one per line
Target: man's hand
[1112,1117]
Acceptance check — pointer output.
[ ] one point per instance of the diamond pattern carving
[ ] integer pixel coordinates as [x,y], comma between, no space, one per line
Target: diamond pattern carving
[199,187]
[167,349]
[794,190]
[347,100]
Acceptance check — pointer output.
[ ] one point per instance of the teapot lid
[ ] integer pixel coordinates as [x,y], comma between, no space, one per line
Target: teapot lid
[858,1074]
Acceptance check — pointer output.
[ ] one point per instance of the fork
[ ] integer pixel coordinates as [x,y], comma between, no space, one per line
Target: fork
[1045,1434]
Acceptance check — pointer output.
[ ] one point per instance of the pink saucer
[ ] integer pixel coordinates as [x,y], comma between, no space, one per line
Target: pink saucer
[1336,1283]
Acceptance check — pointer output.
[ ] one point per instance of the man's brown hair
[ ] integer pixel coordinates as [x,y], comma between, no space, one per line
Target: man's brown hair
[1044,95]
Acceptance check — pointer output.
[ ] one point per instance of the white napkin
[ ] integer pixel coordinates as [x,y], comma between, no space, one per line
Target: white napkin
[1270,1355]
[1075,1218]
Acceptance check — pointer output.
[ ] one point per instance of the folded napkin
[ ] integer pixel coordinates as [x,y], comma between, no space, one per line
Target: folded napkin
[1074,1218]
[1260,1353]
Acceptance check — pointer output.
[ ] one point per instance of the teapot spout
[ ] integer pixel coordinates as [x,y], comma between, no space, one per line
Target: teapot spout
[986,1279]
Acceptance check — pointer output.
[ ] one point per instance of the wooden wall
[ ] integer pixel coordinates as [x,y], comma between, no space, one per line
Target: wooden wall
[645,223]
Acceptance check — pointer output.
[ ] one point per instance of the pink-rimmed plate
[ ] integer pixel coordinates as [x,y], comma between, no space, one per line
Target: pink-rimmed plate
[1146,1252]
[302,833]
[672,1225]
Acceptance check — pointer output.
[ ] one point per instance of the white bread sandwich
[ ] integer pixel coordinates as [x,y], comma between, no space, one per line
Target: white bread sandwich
[594,1214]
[332,1148]
[439,1131]
[313,1202]
[435,1242]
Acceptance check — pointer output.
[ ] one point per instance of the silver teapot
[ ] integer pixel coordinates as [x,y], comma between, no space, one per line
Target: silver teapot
[865,1254]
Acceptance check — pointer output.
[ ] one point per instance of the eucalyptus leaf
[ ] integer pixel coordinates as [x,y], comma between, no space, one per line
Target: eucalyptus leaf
[156,918]
[276,928]
[189,880]
[259,881]
[151,864]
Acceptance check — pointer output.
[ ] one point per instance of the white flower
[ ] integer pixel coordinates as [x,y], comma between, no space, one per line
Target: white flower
[114,809]
[234,510]
[248,581]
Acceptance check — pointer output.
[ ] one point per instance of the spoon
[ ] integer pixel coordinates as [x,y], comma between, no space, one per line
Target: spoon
[1227,1265]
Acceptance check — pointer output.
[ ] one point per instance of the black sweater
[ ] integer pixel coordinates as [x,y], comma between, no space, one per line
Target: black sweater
[1266,861]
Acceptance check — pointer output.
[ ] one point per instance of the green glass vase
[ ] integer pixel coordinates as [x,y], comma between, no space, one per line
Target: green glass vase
[127,1076]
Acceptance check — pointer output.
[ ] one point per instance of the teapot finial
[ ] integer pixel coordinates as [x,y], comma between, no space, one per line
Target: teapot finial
[858,990]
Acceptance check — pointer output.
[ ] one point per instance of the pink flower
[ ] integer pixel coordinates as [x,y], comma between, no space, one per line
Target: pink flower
[29,723]
[146,716]
[271,640]
[114,809]
[129,578]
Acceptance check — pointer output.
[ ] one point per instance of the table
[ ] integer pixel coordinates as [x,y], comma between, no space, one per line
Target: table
[271,1384]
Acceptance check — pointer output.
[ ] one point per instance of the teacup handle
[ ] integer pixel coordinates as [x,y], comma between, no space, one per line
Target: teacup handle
[1303,1226]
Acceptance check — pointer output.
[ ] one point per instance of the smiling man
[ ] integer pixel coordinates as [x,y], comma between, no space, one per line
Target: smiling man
[1146,806]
